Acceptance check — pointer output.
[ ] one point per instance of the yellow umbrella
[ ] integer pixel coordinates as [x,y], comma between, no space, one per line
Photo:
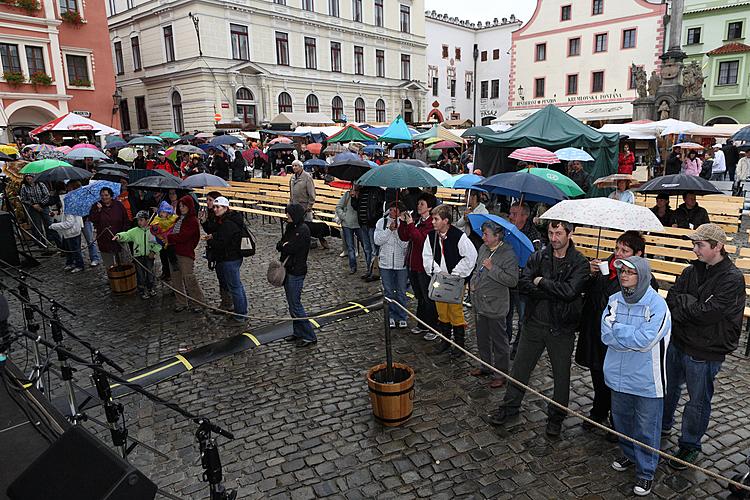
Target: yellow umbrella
[8,149]
[127,154]
[432,140]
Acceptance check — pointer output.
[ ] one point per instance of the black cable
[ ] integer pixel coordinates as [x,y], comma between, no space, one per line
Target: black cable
[22,404]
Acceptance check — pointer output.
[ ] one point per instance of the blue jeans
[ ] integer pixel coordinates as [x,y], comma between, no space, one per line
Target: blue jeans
[351,247]
[293,290]
[368,243]
[228,273]
[394,287]
[698,376]
[88,233]
[639,418]
[73,256]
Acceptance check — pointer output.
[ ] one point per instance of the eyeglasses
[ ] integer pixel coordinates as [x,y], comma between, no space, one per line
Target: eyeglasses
[624,271]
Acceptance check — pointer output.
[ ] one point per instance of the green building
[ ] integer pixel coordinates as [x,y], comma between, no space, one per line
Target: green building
[715,34]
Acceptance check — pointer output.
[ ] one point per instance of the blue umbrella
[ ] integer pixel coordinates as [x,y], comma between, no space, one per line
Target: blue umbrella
[115,142]
[225,139]
[315,162]
[523,185]
[79,201]
[403,145]
[346,156]
[463,181]
[371,150]
[742,134]
[573,154]
[521,244]
[80,154]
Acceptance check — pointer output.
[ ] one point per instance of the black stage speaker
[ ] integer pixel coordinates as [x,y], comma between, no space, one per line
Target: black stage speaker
[8,250]
[79,467]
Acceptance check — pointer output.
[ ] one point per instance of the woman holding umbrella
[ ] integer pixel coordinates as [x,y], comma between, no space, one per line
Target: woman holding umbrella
[109,216]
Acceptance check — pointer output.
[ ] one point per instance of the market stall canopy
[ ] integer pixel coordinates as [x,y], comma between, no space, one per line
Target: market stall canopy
[440,132]
[397,132]
[462,123]
[651,130]
[629,130]
[296,119]
[351,133]
[74,122]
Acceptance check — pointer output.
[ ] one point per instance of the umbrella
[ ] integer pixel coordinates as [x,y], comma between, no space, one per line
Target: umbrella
[281,139]
[110,175]
[522,245]
[224,140]
[743,147]
[534,154]
[446,145]
[689,145]
[349,170]
[562,182]
[414,163]
[334,148]
[398,175]
[63,173]
[523,185]
[187,137]
[249,154]
[64,149]
[573,154]
[8,149]
[39,166]
[203,180]
[462,181]
[340,184]
[403,145]
[36,148]
[156,183]
[79,201]
[280,146]
[315,148]
[144,141]
[187,148]
[80,154]
[169,135]
[346,155]
[440,175]
[610,181]
[115,166]
[742,134]
[5,157]
[474,131]
[116,143]
[135,175]
[127,154]
[315,162]
[203,135]
[371,150]
[85,145]
[678,184]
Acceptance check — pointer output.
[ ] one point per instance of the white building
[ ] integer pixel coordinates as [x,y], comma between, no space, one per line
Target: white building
[468,66]
[577,54]
[347,59]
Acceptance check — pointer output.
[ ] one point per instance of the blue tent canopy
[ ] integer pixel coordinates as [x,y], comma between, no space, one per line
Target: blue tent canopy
[397,132]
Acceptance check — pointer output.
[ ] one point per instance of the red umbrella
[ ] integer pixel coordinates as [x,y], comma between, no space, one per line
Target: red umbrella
[446,145]
[285,140]
[534,154]
[315,148]
[249,154]
[340,184]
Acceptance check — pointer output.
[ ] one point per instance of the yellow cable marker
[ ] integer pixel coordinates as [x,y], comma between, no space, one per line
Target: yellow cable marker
[184,361]
[361,307]
[157,370]
[252,337]
[314,323]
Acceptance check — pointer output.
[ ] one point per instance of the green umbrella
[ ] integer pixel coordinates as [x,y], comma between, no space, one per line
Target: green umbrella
[38,166]
[169,135]
[561,182]
[398,175]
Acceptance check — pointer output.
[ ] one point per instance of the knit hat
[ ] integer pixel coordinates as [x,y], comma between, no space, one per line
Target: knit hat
[166,207]
[142,214]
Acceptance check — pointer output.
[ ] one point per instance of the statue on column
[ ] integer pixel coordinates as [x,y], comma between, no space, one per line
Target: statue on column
[653,83]
[640,80]
[692,80]
[663,110]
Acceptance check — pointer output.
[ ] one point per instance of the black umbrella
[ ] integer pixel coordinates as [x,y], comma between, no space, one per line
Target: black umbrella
[744,147]
[742,134]
[678,184]
[414,163]
[348,170]
[224,140]
[4,157]
[157,183]
[187,148]
[138,174]
[63,173]
[280,146]
[187,137]
[110,175]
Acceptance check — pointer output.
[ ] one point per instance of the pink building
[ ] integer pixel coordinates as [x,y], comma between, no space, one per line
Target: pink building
[55,58]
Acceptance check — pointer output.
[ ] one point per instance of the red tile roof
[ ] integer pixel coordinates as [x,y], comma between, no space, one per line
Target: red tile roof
[730,48]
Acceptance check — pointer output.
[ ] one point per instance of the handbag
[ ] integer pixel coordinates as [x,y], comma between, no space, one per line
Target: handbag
[276,273]
[247,243]
[445,288]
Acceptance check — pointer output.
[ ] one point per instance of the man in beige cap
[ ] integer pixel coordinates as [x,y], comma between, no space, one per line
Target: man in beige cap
[707,302]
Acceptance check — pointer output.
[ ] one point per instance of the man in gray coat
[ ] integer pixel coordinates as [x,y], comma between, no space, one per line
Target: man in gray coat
[302,189]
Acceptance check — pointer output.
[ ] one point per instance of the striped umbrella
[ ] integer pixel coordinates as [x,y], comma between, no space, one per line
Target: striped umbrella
[534,154]
[573,154]
[38,148]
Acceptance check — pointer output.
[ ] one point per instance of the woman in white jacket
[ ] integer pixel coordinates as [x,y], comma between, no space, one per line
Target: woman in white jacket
[392,262]
[69,228]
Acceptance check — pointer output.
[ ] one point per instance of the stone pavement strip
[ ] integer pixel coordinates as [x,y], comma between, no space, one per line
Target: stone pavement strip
[302,418]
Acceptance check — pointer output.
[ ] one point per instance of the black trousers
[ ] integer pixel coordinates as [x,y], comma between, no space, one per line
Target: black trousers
[425,307]
[602,397]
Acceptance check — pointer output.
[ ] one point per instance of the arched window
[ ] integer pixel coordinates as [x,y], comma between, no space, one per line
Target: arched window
[311,104]
[244,94]
[285,103]
[408,111]
[245,106]
[337,108]
[380,111]
[359,110]
[179,124]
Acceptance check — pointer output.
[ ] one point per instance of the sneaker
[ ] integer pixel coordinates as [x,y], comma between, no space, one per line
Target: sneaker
[306,343]
[553,429]
[342,254]
[145,296]
[153,292]
[622,464]
[642,487]
[352,271]
[687,455]
[94,263]
[392,323]
[418,330]
[403,325]
[501,416]
[76,270]
[291,338]
[67,268]
[430,336]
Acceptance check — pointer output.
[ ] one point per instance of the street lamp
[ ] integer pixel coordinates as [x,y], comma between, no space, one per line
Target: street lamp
[116,99]
[520,92]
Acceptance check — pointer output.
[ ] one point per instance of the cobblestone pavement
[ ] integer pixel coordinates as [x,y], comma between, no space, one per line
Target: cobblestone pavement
[302,418]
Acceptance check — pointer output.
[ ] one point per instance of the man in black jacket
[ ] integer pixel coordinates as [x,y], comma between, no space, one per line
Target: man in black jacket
[674,162]
[689,215]
[732,156]
[707,302]
[553,280]
[369,202]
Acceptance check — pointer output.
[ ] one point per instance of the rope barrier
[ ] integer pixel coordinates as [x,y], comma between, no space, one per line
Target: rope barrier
[567,410]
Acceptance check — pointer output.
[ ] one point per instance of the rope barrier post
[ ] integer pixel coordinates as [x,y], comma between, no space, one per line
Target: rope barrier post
[388,345]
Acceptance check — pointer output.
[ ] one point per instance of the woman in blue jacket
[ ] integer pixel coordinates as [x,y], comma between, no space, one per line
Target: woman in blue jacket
[636,327]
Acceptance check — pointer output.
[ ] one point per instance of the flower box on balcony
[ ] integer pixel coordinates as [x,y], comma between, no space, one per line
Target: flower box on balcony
[80,82]
[40,78]
[14,78]
[72,17]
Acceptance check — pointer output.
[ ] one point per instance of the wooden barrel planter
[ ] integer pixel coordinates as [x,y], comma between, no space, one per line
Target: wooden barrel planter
[122,279]
[392,404]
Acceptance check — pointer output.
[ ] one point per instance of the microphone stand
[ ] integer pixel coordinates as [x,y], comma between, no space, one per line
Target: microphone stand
[211,462]
[65,369]
[113,411]
[32,326]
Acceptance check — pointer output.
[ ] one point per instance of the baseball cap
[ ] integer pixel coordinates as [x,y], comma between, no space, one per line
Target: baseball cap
[161,152]
[707,232]
[221,201]
[716,146]
[620,263]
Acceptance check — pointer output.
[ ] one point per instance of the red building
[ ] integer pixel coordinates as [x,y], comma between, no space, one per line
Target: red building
[55,58]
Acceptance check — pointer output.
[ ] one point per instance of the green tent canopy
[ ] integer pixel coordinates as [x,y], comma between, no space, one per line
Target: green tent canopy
[552,129]
[351,133]
[397,132]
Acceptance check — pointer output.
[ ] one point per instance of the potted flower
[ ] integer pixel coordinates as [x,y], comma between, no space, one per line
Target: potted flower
[72,17]
[30,6]
[40,78]
[14,78]
[80,82]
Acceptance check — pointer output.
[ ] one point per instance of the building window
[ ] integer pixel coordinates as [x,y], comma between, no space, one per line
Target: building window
[734,30]
[380,63]
[408,111]
[140,112]
[468,90]
[240,42]
[693,36]
[597,7]
[541,52]
[35,59]
[571,87]
[179,124]
[245,106]
[337,108]
[628,39]
[495,89]
[405,67]
[357,10]
[308,5]
[119,64]
[124,116]
[169,43]
[135,45]
[405,19]
[435,84]
[597,81]
[538,87]
[379,13]
[728,72]
[445,52]
[68,6]
[360,116]
[496,54]
[282,49]
[458,53]
[574,47]
[600,42]
[333,8]
[285,103]
[484,89]
[311,104]
[279,2]
[359,60]
[78,71]
[453,87]
[380,111]
[311,56]
[336,57]
[565,13]
[483,56]
[112,7]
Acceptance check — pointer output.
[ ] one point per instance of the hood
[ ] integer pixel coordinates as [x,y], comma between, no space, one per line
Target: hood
[296,212]
[188,201]
[164,206]
[634,295]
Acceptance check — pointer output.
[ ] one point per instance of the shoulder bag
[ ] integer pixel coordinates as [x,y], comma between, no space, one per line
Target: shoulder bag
[445,287]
